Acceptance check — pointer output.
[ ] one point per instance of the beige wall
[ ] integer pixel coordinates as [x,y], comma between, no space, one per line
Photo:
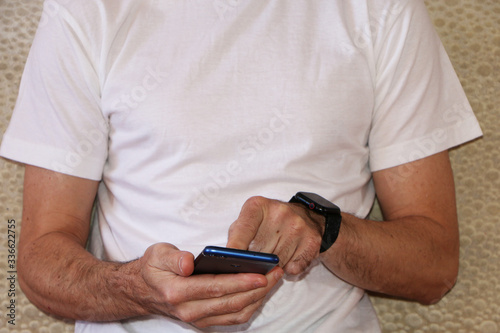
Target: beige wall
[470,30]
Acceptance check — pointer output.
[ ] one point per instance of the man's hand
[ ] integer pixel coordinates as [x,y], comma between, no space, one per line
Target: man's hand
[202,300]
[413,254]
[60,277]
[285,229]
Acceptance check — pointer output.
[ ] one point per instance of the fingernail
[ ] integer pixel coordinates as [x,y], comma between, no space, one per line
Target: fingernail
[180,265]
[259,283]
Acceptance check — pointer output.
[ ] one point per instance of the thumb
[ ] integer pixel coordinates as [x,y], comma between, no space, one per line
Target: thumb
[167,257]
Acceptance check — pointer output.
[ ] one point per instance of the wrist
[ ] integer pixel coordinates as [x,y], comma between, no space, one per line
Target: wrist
[344,234]
[337,257]
[330,212]
[131,292]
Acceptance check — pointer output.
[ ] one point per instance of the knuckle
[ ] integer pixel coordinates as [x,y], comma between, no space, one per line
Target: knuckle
[302,261]
[215,290]
[292,269]
[235,305]
[255,202]
[282,209]
[151,252]
[243,316]
[158,249]
[185,316]
[297,225]
[242,226]
[201,324]
[173,297]
[215,309]
[280,212]
[296,267]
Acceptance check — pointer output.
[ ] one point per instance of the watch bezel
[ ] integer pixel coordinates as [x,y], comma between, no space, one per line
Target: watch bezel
[316,202]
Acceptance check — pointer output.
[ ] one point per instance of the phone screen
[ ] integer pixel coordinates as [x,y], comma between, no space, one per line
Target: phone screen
[222,260]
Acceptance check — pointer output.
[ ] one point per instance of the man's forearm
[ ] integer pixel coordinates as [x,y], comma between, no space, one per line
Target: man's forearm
[71,283]
[411,257]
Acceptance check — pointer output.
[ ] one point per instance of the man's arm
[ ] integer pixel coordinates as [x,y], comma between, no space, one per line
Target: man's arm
[413,254]
[59,276]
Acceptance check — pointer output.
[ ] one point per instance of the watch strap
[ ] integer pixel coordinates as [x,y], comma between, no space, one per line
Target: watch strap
[332,228]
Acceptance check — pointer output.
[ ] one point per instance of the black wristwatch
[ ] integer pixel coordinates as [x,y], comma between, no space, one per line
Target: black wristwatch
[331,212]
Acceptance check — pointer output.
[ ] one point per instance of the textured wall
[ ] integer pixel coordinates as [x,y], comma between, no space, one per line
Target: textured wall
[470,30]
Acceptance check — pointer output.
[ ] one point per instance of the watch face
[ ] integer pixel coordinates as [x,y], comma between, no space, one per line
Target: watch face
[320,202]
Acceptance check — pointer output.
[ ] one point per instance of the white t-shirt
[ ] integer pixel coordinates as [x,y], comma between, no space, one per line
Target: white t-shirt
[185,109]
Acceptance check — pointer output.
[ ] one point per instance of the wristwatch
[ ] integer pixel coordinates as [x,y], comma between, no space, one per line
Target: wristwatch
[323,207]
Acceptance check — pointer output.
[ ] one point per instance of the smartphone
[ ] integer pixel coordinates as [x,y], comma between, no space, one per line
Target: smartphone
[223,260]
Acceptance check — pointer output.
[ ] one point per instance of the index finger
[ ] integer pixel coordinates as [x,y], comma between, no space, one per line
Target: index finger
[244,229]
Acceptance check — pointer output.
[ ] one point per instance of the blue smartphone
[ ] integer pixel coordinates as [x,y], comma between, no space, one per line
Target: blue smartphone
[223,260]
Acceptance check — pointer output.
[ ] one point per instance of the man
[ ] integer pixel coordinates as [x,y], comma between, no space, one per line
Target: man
[183,117]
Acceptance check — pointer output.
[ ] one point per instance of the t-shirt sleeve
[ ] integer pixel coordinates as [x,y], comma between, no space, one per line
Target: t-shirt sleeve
[420,107]
[57,123]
